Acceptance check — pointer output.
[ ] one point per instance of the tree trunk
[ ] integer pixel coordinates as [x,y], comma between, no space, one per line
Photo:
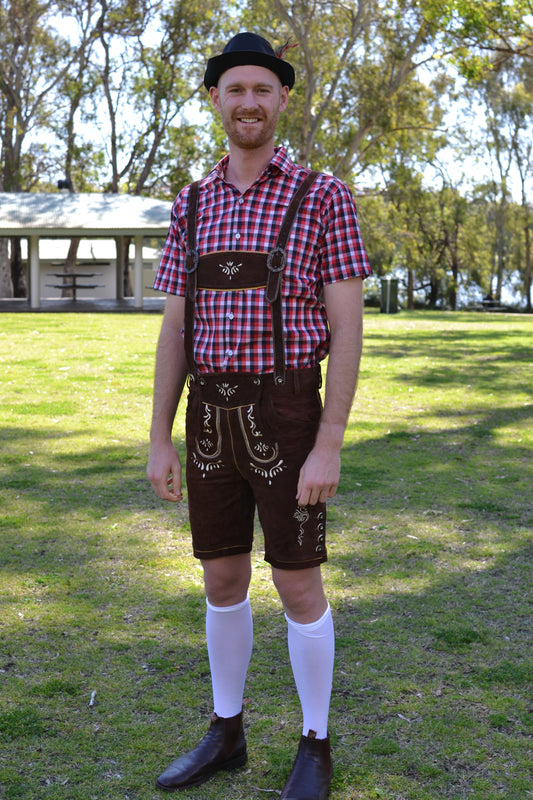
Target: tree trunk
[452,286]
[527,274]
[70,264]
[20,285]
[6,283]
[127,287]
[410,290]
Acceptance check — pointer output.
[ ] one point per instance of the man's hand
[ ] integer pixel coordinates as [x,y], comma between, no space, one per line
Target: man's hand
[164,472]
[319,475]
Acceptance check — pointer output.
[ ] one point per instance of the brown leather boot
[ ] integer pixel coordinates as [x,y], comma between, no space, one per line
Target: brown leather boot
[223,747]
[311,773]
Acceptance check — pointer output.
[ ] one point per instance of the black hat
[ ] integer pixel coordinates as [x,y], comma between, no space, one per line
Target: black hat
[248,48]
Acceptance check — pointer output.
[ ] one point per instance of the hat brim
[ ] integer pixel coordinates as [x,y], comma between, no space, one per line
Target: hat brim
[219,64]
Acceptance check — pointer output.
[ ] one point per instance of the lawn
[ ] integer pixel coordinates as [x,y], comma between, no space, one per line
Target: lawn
[103,673]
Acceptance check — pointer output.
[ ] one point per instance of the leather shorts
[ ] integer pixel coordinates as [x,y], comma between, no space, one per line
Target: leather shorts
[247,439]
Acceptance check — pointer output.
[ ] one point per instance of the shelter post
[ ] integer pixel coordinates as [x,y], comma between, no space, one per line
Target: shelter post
[138,272]
[35,272]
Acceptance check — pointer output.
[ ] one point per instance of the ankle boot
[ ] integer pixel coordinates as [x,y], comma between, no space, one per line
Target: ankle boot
[311,773]
[223,747]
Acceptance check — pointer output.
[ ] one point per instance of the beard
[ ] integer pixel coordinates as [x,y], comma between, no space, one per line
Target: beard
[250,136]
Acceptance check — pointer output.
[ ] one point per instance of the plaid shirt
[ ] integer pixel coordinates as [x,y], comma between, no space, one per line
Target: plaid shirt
[233,329]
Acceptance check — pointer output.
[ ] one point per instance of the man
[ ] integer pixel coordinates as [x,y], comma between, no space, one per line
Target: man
[263,267]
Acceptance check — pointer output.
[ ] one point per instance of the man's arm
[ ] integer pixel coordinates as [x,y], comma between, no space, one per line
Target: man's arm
[164,466]
[320,474]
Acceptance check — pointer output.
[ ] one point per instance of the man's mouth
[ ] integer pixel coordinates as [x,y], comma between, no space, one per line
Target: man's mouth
[248,120]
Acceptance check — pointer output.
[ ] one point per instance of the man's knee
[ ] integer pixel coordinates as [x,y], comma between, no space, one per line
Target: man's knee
[301,593]
[227,579]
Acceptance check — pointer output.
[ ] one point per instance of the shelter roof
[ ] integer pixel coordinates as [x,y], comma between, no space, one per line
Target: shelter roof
[66,214]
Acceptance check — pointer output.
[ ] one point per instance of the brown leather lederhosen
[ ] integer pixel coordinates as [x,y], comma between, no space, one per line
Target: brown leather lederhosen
[249,433]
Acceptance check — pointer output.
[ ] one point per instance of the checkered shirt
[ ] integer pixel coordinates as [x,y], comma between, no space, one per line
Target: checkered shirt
[232,330]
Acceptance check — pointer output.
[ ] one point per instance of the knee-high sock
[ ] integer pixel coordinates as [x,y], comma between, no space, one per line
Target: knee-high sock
[229,632]
[312,653]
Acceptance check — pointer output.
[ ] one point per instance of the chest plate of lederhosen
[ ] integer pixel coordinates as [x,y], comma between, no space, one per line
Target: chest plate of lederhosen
[231,270]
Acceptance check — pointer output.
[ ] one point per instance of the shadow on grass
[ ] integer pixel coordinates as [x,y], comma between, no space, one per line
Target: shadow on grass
[455,357]
[453,469]
[431,694]
[430,573]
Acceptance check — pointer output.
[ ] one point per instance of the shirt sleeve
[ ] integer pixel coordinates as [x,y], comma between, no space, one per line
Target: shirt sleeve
[343,253]
[171,276]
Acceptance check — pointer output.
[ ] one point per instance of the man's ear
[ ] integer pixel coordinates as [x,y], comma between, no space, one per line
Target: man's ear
[284,98]
[213,94]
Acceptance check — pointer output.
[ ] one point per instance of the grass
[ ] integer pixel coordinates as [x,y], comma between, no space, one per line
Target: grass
[103,672]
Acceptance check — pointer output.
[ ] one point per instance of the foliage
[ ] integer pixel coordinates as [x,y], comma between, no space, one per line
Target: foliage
[108,94]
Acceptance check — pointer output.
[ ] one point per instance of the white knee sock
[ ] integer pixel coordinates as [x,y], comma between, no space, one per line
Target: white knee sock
[229,632]
[312,653]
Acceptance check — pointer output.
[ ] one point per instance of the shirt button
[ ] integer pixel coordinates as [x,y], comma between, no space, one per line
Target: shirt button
[230,315]
[229,352]
[237,235]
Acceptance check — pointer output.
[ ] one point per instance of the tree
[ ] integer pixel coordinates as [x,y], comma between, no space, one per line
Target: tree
[357,84]
[138,55]
[26,81]
[147,85]
[34,60]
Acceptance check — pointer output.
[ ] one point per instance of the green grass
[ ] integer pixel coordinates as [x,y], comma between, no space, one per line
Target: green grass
[429,577]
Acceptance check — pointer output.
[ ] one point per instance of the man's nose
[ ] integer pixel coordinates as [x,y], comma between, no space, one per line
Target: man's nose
[249,99]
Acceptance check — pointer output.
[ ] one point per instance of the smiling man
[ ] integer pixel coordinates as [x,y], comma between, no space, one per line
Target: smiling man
[263,266]
[249,102]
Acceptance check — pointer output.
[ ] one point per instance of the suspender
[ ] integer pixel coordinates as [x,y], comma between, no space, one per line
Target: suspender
[275,262]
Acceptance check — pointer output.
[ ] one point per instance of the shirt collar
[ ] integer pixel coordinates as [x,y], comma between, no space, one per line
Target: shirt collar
[281,162]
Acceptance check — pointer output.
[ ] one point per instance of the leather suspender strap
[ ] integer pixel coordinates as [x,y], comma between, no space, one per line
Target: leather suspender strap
[191,268]
[276,262]
[277,258]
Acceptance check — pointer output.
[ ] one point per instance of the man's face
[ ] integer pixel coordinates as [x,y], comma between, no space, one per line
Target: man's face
[249,100]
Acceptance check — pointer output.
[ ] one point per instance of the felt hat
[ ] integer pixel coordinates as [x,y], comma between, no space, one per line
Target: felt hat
[248,48]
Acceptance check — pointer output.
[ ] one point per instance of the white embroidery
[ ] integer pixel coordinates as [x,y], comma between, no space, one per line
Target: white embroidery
[269,473]
[251,420]
[226,390]
[207,419]
[206,466]
[230,269]
[302,516]
[261,448]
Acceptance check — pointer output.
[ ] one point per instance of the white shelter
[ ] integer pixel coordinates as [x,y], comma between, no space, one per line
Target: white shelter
[64,215]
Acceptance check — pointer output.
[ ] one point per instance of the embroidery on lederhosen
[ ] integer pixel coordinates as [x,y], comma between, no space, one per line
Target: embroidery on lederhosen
[259,449]
[302,516]
[209,442]
[230,269]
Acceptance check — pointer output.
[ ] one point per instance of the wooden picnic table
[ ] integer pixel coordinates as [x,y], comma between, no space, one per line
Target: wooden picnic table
[70,281]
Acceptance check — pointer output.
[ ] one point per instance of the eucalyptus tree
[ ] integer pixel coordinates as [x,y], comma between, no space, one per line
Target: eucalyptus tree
[520,110]
[359,83]
[149,70]
[503,142]
[34,58]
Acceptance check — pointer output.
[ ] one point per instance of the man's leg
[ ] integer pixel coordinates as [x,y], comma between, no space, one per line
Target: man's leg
[229,642]
[229,630]
[311,643]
